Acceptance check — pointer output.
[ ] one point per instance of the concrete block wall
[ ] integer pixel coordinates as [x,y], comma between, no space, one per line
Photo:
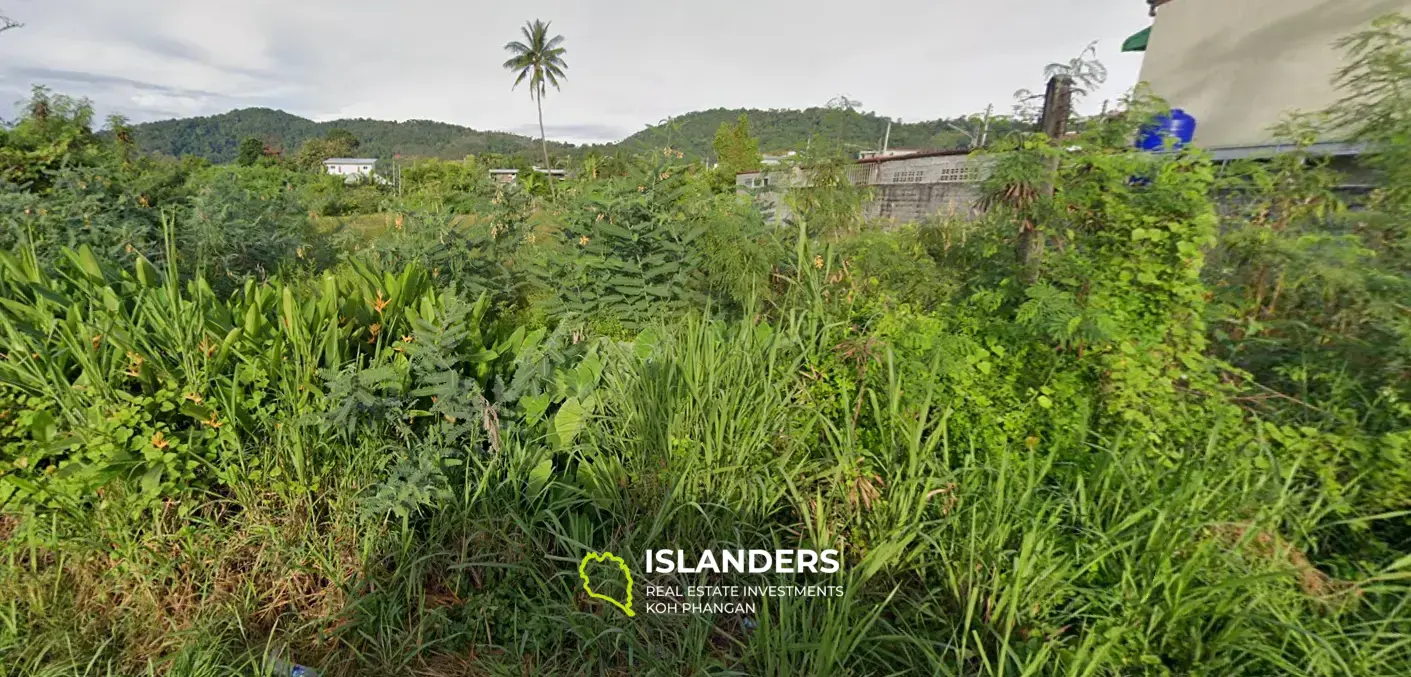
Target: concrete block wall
[906,203]
[916,189]
[904,189]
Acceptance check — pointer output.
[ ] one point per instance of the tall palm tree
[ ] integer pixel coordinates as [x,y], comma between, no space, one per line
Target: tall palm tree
[6,23]
[539,59]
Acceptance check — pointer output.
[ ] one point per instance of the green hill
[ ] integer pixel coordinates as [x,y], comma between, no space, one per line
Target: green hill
[780,130]
[217,137]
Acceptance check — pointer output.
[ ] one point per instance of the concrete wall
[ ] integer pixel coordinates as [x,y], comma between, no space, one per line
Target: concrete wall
[909,203]
[904,189]
[1239,65]
[915,189]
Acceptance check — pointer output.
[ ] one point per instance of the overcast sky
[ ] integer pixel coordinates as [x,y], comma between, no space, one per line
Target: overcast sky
[631,62]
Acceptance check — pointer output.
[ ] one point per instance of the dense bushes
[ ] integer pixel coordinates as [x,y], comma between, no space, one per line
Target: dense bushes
[636,247]
[461,460]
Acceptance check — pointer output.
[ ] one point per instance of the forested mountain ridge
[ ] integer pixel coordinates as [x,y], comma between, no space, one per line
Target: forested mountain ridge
[217,137]
[788,129]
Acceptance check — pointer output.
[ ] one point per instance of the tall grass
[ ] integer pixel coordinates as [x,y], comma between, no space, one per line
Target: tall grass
[962,558]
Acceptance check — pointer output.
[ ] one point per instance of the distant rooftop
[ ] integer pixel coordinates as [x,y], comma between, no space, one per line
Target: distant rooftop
[911,155]
[878,159]
[891,152]
[350,161]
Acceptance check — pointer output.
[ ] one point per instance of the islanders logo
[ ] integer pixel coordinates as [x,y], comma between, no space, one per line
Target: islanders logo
[601,557]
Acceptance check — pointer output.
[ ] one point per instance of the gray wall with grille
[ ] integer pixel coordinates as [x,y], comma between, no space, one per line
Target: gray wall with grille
[904,189]
[916,189]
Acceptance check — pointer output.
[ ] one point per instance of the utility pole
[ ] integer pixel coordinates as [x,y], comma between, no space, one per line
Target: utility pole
[1058,105]
[985,132]
[887,139]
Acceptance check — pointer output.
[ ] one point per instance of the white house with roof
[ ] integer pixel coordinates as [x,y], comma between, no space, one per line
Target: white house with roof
[351,169]
[511,175]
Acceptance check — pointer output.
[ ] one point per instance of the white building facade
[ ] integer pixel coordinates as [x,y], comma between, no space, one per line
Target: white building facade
[904,188]
[351,169]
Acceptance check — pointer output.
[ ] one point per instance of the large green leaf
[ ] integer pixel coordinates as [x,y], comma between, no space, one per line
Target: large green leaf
[568,422]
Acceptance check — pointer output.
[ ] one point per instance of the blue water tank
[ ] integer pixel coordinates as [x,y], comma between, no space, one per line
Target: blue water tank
[1178,125]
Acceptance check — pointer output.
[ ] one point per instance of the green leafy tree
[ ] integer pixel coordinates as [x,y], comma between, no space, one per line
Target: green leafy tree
[539,59]
[629,246]
[63,185]
[252,150]
[844,102]
[462,185]
[315,151]
[244,222]
[1086,71]
[56,131]
[534,183]
[827,202]
[590,165]
[735,149]
[121,132]
[343,137]
[1026,107]
[843,114]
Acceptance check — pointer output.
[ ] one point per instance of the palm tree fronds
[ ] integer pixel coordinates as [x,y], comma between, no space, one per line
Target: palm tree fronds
[539,59]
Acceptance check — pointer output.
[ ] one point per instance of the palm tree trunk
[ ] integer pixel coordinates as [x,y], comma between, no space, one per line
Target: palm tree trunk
[539,101]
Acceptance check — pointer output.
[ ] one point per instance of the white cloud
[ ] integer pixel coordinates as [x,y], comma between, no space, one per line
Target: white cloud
[631,62]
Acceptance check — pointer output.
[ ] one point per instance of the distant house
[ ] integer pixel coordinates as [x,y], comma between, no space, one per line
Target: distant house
[752,179]
[351,169]
[890,152]
[509,175]
[504,175]
[777,159]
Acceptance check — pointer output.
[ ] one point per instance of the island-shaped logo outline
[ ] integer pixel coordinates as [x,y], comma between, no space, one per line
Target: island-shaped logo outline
[626,607]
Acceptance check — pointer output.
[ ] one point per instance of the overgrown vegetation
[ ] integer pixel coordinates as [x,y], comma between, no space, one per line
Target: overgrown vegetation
[1176,444]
